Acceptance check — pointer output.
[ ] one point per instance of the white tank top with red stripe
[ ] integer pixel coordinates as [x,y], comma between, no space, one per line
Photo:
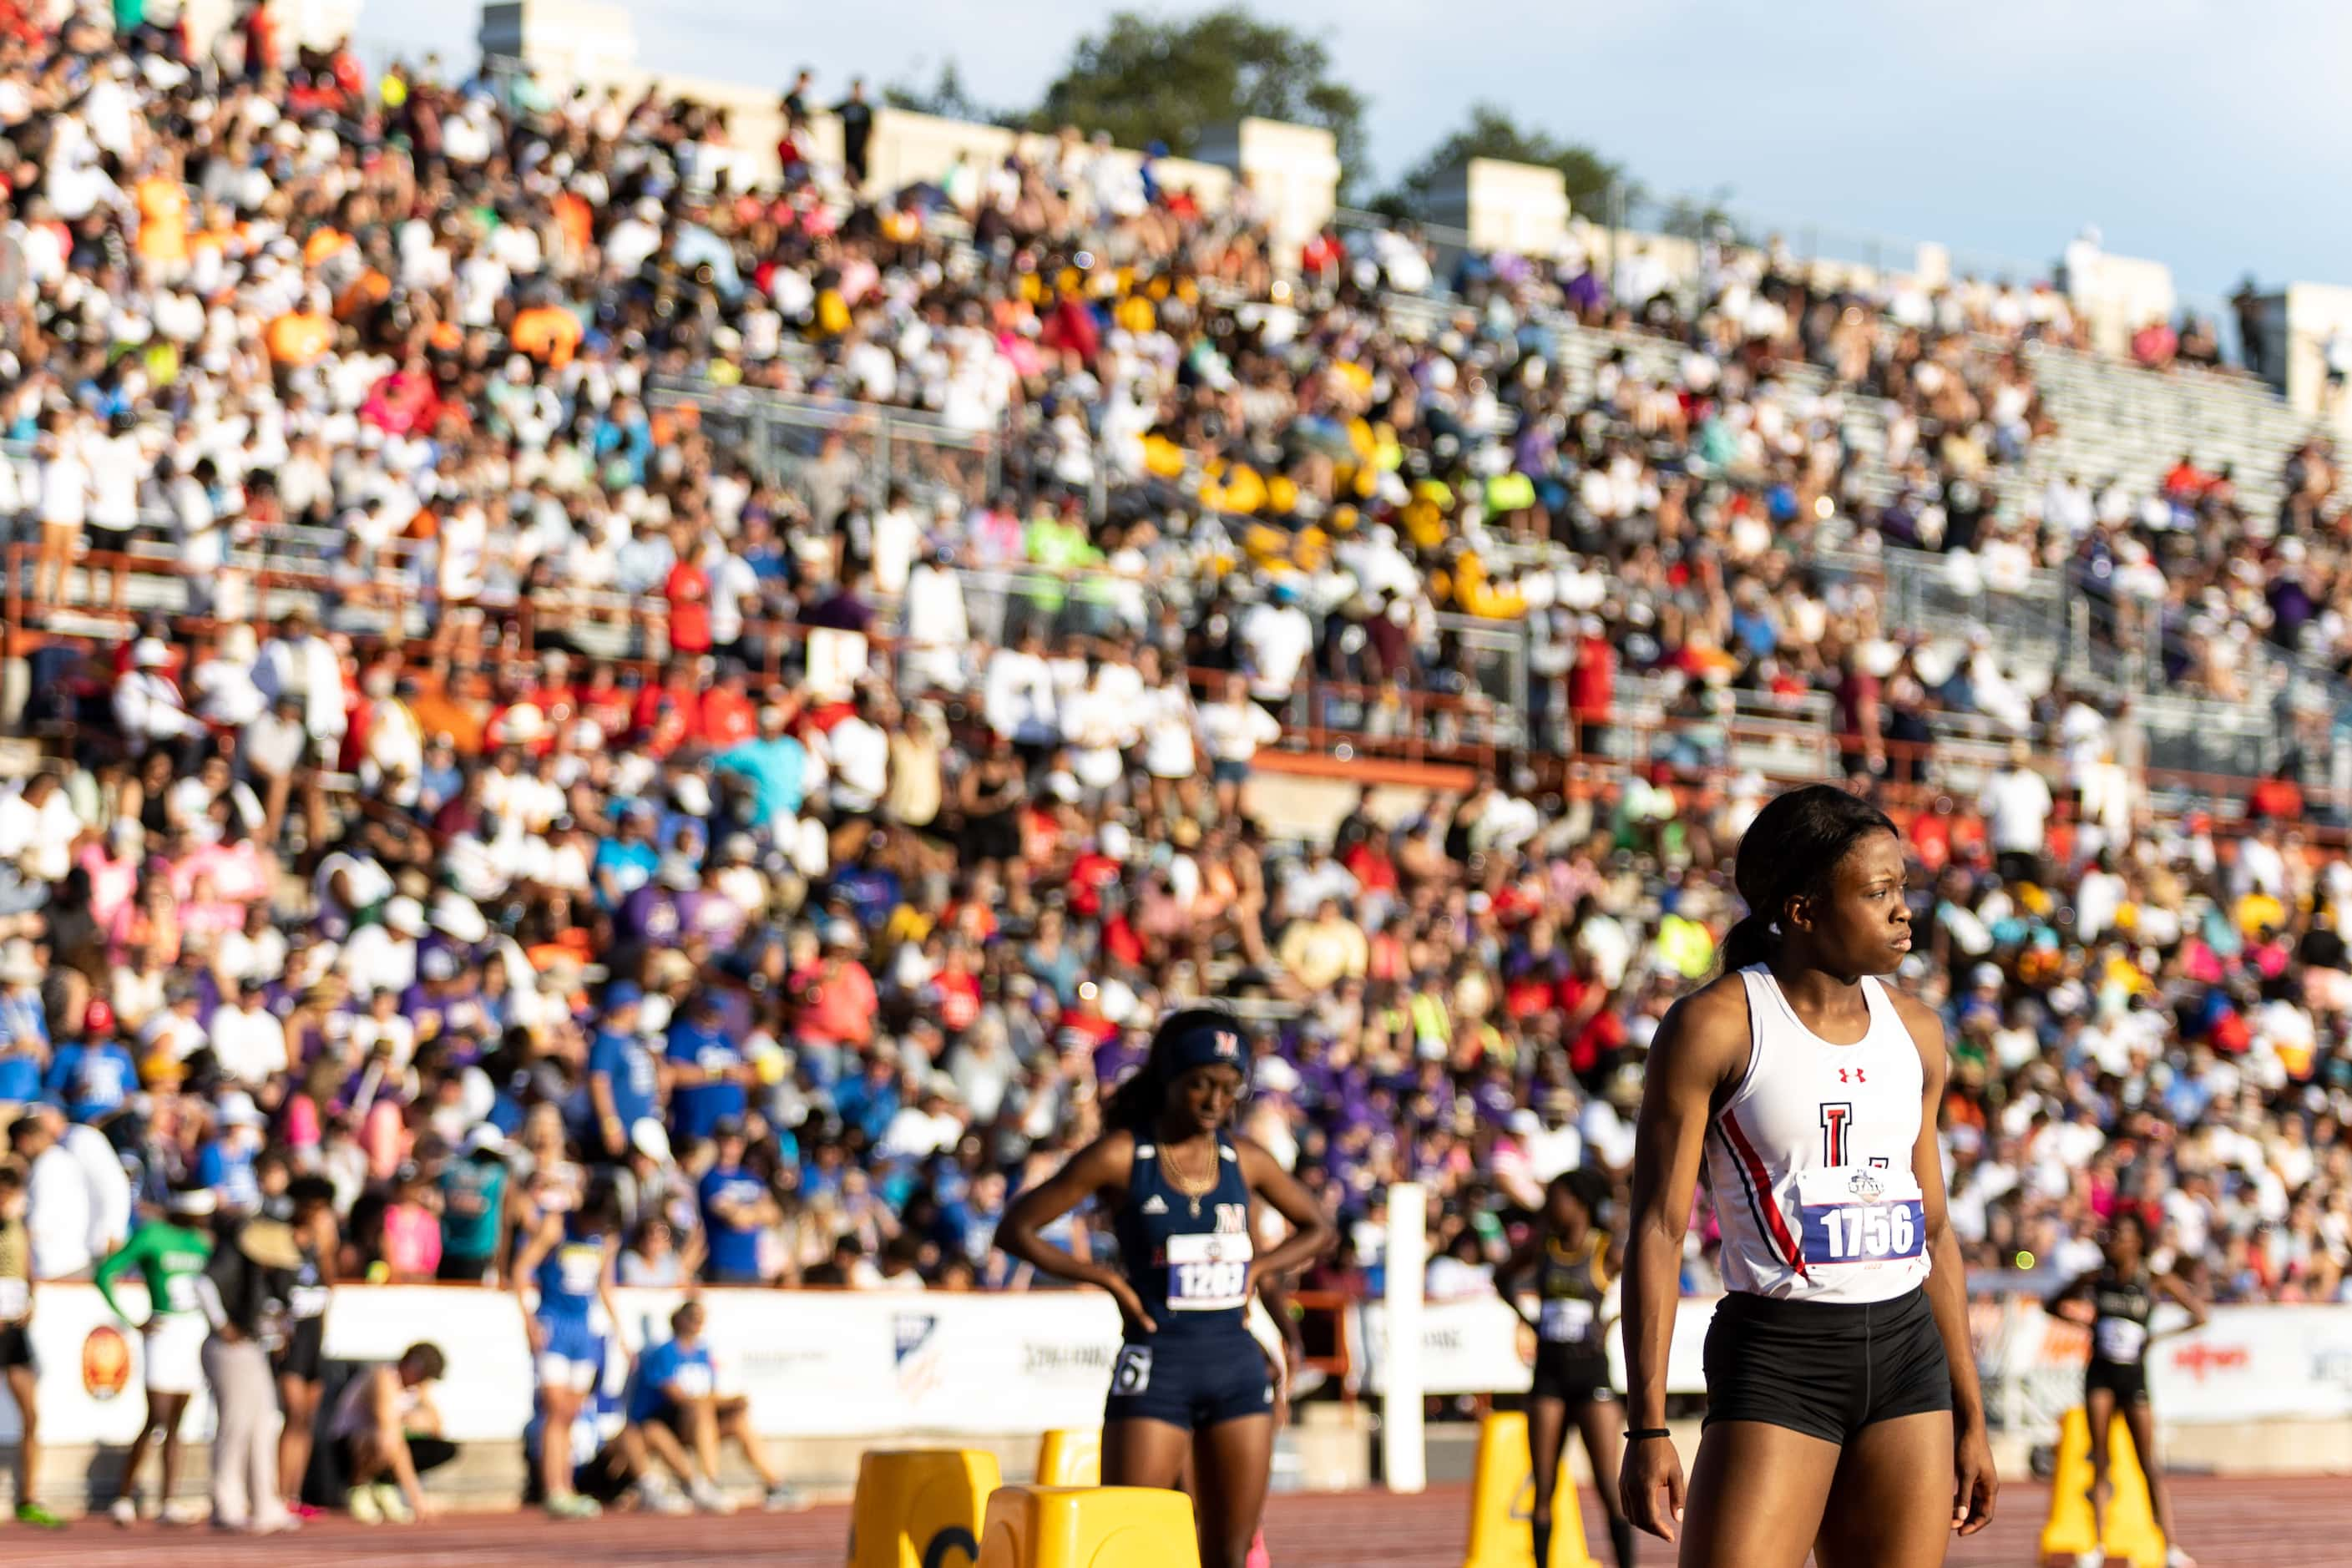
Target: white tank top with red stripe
[1809,1161]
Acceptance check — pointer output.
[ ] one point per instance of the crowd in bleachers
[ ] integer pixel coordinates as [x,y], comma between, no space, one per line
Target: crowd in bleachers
[809,949]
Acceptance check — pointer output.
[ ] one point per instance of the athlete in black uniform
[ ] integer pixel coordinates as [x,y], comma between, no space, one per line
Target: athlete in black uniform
[301,1361]
[2116,1300]
[1189,1381]
[1572,1261]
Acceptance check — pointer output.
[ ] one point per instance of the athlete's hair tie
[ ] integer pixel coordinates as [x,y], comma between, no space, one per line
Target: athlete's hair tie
[1646,1432]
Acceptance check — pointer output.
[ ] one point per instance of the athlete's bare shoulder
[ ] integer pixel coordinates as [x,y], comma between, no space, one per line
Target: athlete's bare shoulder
[1704,1039]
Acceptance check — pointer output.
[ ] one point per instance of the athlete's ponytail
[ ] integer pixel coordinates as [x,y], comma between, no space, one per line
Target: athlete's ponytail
[1791,848]
[1750,940]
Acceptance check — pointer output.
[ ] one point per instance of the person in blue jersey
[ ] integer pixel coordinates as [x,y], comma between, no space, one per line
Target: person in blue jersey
[92,1076]
[736,1208]
[674,1411]
[710,1074]
[563,1279]
[623,1083]
[1190,1383]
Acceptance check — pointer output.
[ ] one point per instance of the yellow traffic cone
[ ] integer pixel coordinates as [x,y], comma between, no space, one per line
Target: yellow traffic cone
[2132,1537]
[1502,1496]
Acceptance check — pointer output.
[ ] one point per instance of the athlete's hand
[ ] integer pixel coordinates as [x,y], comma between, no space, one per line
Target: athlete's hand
[1649,1466]
[1972,1496]
[1130,1305]
[536,1333]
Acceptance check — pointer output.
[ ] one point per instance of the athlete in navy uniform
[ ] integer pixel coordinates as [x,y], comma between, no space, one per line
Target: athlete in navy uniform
[1190,1381]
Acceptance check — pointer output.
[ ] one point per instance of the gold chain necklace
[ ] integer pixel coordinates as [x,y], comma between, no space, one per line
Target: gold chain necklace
[1191,1188]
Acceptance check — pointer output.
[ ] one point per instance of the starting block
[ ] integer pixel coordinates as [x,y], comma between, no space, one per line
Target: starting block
[1090,1527]
[1070,1458]
[2132,1536]
[1503,1499]
[920,1507]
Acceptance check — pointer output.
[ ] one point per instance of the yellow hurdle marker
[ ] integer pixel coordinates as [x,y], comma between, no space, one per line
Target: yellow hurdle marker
[1502,1497]
[920,1507]
[2132,1536]
[1090,1527]
[1070,1458]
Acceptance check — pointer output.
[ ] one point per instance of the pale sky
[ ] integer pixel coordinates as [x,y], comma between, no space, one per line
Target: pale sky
[2208,136]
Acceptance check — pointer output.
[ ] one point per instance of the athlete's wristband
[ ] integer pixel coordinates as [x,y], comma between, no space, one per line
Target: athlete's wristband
[1644,1434]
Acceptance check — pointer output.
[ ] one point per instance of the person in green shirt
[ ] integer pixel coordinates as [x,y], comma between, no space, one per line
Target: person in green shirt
[169,1255]
[16,1341]
[473,1203]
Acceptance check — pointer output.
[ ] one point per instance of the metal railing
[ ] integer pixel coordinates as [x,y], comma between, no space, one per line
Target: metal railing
[828,444]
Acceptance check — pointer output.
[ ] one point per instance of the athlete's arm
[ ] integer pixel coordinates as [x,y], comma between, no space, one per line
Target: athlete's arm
[114,1265]
[2072,1294]
[604,1276]
[1947,1286]
[1105,1166]
[527,1264]
[1701,1048]
[2190,1302]
[1516,1268]
[1311,1234]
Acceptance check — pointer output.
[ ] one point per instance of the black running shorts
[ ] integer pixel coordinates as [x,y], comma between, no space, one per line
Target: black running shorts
[1825,1369]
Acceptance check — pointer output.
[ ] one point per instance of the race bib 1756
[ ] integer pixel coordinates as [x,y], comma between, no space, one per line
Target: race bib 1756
[1860,1214]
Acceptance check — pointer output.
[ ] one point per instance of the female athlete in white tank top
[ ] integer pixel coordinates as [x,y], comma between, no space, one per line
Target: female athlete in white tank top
[1844,1416]
[1808,1163]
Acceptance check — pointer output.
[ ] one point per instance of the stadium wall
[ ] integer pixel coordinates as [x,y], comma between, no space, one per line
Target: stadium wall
[2259,1389]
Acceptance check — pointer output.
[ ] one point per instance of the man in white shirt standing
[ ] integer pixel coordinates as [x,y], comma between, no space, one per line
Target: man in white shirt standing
[249,1042]
[147,707]
[1278,637]
[65,497]
[59,1213]
[1021,702]
[2017,805]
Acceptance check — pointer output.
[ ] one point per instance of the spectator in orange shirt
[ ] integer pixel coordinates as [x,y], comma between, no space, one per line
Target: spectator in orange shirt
[162,203]
[548,333]
[302,335]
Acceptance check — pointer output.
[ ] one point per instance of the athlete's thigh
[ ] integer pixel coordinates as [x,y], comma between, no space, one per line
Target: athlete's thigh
[1890,1506]
[1231,1461]
[1755,1495]
[1547,1432]
[2099,1418]
[1137,1452]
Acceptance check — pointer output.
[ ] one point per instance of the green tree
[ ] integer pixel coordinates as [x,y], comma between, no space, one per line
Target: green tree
[946,97]
[1145,79]
[1491,132]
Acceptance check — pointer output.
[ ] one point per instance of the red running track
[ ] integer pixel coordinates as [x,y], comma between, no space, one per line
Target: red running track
[2301,1522]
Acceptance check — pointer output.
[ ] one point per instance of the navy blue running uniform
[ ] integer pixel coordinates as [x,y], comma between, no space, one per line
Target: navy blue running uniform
[1188,1260]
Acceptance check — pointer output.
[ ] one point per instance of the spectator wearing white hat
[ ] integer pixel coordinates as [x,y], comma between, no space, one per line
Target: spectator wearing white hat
[383,957]
[147,707]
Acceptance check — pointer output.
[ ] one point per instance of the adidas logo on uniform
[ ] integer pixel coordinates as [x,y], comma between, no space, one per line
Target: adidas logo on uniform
[1155,1203]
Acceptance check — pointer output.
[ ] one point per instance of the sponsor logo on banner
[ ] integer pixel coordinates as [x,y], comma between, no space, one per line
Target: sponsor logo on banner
[915,1348]
[1061,1360]
[105,1362]
[2201,1358]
